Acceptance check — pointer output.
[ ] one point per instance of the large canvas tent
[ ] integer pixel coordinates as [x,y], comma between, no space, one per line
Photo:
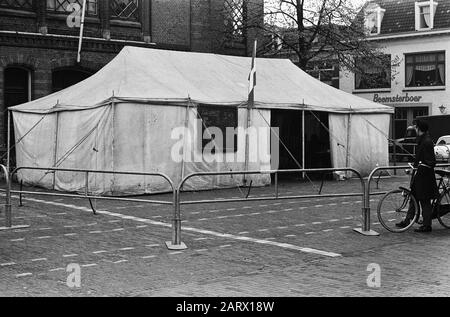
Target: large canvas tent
[122,119]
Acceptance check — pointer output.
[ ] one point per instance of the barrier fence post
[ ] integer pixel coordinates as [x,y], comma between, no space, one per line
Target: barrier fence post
[7,205]
[276,185]
[86,183]
[8,214]
[8,211]
[20,195]
[176,243]
[365,225]
[394,147]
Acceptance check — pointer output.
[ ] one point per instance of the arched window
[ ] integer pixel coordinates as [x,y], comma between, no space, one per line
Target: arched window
[61,6]
[235,15]
[17,86]
[125,9]
[66,77]
[17,4]
[17,90]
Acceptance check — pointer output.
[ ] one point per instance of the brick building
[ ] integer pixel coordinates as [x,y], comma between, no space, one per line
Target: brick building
[39,38]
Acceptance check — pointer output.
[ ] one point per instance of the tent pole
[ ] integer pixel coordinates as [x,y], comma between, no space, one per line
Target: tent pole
[56,149]
[8,142]
[81,32]
[186,125]
[303,142]
[347,158]
[250,104]
[113,119]
[247,125]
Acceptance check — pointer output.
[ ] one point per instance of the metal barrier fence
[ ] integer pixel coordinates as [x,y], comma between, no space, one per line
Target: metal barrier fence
[177,238]
[372,176]
[86,195]
[176,242]
[8,216]
[402,150]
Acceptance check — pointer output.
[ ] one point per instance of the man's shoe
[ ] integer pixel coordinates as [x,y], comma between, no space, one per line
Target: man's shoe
[403,224]
[423,229]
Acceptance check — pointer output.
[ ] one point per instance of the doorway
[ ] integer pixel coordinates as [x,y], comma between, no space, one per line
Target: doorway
[317,140]
[404,117]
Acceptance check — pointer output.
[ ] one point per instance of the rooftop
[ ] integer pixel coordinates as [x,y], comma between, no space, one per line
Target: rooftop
[399,16]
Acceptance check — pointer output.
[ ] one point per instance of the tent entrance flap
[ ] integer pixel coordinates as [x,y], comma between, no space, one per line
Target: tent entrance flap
[289,124]
[316,143]
[317,140]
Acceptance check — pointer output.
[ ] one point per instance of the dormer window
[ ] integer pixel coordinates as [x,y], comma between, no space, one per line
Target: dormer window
[374,15]
[425,11]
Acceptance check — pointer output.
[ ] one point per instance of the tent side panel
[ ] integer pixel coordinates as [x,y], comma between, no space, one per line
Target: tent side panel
[162,123]
[259,154]
[84,140]
[369,141]
[338,125]
[36,148]
[143,143]
[368,144]
[128,152]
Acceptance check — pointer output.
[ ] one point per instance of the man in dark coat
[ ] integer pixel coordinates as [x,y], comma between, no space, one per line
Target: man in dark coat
[424,187]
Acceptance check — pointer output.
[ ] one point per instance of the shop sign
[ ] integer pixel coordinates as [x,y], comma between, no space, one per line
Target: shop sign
[397,98]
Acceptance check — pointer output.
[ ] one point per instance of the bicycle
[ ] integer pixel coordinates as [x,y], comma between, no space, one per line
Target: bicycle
[393,206]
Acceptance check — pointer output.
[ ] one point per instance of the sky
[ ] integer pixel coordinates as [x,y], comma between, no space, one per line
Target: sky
[311,5]
[358,3]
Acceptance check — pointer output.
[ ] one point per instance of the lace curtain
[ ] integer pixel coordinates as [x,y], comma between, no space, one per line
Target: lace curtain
[371,23]
[409,74]
[441,72]
[426,15]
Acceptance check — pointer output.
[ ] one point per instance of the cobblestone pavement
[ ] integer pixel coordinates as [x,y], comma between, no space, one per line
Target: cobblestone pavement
[303,247]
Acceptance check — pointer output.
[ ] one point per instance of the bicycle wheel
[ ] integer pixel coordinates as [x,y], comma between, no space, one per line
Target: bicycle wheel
[393,208]
[443,209]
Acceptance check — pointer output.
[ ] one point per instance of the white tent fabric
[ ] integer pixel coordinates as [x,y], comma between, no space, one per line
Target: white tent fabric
[121,119]
[358,141]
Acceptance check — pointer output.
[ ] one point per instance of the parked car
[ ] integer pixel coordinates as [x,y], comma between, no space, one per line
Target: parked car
[439,125]
[442,148]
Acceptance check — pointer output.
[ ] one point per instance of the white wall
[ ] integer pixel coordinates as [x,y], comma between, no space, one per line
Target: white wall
[397,48]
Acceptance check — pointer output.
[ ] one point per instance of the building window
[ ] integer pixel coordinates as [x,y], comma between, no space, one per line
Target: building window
[61,6]
[425,12]
[17,86]
[220,117]
[373,77]
[404,117]
[326,72]
[125,9]
[425,70]
[374,17]
[17,4]
[235,12]
[66,77]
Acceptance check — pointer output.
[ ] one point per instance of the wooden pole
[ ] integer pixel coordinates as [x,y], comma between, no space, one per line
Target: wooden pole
[81,31]
[250,105]
[303,142]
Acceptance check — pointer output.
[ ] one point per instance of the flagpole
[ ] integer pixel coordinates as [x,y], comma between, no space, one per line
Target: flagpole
[81,31]
[250,105]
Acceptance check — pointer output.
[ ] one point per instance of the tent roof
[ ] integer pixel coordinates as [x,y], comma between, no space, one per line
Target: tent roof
[171,77]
